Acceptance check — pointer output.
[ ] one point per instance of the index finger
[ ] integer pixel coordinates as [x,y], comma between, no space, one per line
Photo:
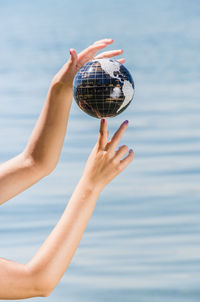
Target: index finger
[118,135]
[103,134]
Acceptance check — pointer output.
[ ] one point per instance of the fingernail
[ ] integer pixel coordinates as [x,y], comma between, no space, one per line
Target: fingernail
[126,122]
[130,151]
[70,52]
[103,120]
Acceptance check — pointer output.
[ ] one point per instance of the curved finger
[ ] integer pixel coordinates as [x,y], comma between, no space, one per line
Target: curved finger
[118,135]
[103,134]
[109,54]
[127,160]
[107,41]
[121,152]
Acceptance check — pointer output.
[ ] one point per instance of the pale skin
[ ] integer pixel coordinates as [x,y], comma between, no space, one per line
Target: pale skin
[42,273]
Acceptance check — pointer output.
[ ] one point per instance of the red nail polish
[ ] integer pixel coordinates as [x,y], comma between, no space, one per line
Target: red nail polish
[103,120]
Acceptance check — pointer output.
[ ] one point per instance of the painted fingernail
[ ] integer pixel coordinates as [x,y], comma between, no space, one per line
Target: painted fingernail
[126,122]
[70,52]
[130,151]
[103,120]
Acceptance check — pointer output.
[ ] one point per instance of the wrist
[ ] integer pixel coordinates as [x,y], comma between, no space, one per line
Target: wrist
[58,86]
[59,89]
[89,186]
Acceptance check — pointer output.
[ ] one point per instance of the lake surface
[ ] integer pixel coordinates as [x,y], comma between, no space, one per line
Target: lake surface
[142,243]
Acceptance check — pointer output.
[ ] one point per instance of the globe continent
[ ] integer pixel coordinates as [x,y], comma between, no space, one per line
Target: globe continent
[103,88]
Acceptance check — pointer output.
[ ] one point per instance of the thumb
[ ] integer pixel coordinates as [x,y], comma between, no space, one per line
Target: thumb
[73,58]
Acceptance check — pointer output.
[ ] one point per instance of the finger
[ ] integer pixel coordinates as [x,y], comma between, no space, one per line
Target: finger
[73,57]
[122,61]
[107,41]
[89,53]
[118,135]
[103,134]
[109,54]
[127,160]
[121,152]
[70,66]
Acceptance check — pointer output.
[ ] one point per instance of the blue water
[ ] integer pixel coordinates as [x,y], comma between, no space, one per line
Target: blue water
[142,243]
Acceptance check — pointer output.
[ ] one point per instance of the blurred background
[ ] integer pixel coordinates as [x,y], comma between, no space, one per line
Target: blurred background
[143,240]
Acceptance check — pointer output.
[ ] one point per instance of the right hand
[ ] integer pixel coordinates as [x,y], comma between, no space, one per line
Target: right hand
[105,162]
[66,74]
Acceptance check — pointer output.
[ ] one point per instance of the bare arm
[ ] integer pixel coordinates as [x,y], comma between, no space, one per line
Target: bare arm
[44,146]
[40,276]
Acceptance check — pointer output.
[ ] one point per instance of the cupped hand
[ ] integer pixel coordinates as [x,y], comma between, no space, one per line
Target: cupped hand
[105,162]
[67,73]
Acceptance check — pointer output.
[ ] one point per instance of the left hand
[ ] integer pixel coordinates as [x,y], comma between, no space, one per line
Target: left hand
[105,162]
[66,74]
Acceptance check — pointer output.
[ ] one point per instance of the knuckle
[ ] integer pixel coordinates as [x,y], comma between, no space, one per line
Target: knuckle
[92,46]
[109,156]
[116,165]
[118,168]
[114,162]
[125,148]
[101,132]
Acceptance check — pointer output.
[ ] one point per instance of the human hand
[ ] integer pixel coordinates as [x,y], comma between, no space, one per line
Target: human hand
[66,74]
[105,162]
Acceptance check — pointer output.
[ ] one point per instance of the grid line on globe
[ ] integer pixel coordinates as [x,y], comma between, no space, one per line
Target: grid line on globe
[103,88]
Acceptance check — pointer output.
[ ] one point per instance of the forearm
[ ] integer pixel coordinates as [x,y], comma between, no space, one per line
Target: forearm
[53,258]
[47,138]
[43,149]
[44,146]
[41,275]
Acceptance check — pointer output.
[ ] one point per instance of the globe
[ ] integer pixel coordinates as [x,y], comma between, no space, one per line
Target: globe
[103,88]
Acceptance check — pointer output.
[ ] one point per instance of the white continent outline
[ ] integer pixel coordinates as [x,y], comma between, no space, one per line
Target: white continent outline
[110,67]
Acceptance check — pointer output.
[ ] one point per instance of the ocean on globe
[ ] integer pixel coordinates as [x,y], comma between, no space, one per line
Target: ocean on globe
[103,88]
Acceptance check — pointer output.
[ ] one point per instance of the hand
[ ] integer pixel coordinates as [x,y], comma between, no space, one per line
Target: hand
[105,162]
[67,73]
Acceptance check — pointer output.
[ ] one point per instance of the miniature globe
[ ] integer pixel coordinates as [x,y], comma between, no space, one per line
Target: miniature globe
[103,88]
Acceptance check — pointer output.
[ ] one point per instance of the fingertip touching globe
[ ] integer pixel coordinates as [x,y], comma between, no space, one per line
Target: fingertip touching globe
[103,88]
